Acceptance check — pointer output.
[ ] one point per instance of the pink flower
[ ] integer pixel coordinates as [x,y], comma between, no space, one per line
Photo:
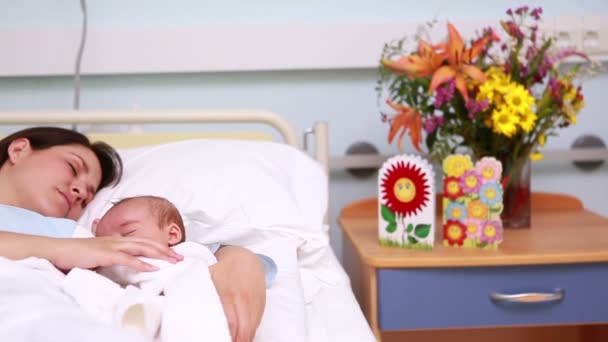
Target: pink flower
[489,169]
[473,228]
[491,231]
[470,182]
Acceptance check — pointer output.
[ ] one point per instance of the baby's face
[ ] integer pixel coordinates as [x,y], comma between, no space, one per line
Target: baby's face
[131,218]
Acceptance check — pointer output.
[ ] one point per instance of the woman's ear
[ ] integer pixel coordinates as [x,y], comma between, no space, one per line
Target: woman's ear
[175,234]
[18,149]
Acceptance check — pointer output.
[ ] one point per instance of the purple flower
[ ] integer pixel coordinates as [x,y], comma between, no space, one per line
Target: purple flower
[475,107]
[512,29]
[530,52]
[445,94]
[537,12]
[524,70]
[553,83]
[431,123]
[551,60]
[522,10]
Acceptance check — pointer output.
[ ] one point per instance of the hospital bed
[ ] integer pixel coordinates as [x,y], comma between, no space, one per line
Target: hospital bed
[259,190]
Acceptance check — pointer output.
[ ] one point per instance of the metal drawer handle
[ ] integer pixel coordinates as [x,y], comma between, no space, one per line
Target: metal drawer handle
[528,297]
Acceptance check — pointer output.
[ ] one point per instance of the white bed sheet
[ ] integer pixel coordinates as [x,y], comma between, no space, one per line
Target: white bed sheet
[334,314]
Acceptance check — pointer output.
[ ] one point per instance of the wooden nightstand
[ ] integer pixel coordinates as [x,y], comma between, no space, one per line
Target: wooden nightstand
[563,256]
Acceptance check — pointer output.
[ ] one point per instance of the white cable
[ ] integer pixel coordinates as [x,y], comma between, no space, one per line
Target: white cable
[83,38]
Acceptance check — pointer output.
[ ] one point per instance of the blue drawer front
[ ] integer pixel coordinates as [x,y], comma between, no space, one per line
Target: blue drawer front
[459,297]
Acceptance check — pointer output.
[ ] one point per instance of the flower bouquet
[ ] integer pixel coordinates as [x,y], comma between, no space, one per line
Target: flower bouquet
[500,95]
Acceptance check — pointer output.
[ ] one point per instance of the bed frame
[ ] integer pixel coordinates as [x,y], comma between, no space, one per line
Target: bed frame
[136,137]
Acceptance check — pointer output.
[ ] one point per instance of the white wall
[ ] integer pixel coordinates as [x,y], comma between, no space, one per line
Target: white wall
[344,98]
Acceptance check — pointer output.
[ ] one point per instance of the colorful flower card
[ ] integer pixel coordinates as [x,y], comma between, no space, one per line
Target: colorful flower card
[406,194]
[472,202]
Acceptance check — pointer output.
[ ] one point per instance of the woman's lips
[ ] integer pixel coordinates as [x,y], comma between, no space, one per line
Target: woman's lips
[67,200]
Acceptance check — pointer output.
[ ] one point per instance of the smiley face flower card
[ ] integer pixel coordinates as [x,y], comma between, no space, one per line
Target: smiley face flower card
[472,202]
[406,205]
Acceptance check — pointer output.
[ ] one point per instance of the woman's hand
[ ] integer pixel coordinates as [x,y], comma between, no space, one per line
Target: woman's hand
[238,277]
[108,251]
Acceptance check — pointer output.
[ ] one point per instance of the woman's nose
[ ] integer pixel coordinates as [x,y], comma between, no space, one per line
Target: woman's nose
[78,190]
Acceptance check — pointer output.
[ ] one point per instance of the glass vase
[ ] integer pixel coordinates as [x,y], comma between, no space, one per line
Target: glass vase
[516,194]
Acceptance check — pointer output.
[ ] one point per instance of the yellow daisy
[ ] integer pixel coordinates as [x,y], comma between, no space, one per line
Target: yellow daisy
[519,99]
[504,121]
[456,165]
[527,121]
[487,91]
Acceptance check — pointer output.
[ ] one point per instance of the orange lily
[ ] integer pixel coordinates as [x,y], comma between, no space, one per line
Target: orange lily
[460,61]
[423,64]
[406,119]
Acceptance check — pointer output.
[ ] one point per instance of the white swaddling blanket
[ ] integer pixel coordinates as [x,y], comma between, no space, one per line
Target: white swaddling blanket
[189,310]
[192,309]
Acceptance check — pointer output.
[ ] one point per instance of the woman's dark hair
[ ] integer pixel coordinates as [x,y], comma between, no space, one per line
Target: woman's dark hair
[44,137]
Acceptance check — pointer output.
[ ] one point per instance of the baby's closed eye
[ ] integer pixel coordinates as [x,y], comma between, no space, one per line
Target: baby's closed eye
[128,232]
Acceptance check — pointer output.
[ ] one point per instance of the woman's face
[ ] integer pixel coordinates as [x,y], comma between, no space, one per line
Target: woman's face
[58,181]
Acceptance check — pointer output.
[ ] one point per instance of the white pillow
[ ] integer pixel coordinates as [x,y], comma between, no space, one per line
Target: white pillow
[255,183]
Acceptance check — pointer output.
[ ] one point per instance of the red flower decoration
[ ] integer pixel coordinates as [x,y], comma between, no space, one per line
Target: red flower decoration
[454,232]
[405,188]
[452,188]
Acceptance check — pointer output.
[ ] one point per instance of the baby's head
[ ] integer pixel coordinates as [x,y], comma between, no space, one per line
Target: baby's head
[150,217]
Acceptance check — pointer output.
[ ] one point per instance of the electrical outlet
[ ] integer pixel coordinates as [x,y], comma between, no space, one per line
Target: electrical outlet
[595,35]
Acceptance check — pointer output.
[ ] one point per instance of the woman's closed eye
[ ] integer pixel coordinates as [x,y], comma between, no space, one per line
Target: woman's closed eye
[73,168]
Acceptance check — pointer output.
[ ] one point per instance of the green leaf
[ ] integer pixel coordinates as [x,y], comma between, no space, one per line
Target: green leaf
[392,227]
[430,139]
[496,208]
[412,240]
[387,214]
[410,227]
[422,230]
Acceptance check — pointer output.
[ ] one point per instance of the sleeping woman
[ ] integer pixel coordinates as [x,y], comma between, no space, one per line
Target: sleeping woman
[47,177]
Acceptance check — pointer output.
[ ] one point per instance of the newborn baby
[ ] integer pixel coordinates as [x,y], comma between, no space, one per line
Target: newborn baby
[170,304]
[149,217]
